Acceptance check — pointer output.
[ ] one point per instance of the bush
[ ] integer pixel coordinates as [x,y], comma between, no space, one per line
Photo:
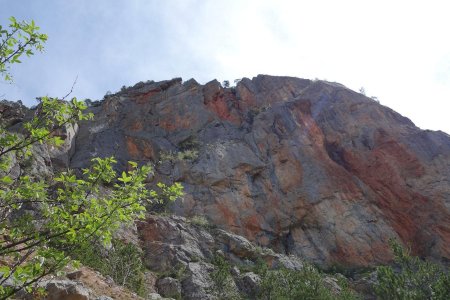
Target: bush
[306,283]
[200,221]
[179,156]
[411,278]
[223,281]
[122,262]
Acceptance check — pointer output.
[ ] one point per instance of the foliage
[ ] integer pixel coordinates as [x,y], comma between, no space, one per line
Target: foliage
[179,156]
[178,272]
[41,222]
[190,143]
[21,38]
[374,98]
[187,151]
[279,284]
[68,211]
[412,279]
[163,195]
[223,281]
[306,283]
[200,221]
[121,261]
[362,90]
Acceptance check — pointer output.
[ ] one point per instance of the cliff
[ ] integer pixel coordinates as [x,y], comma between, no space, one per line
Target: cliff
[307,168]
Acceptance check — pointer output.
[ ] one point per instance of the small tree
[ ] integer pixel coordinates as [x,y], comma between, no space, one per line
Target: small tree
[412,278]
[362,90]
[66,211]
[226,83]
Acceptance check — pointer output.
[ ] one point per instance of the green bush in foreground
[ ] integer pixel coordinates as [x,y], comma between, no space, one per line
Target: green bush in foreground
[412,278]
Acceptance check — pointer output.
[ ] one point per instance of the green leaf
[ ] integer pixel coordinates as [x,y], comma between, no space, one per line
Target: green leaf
[5,271]
[7,180]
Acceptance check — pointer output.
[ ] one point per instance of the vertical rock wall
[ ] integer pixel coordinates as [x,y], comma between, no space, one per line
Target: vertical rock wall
[309,168]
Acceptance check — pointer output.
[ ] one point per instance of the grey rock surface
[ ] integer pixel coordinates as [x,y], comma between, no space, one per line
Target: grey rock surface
[65,290]
[308,168]
[169,287]
[197,283]
[249,283]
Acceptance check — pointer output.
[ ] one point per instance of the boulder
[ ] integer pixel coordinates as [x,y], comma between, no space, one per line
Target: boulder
[170,243]
[197,283]
[249,283]
[169,287]
[65,290]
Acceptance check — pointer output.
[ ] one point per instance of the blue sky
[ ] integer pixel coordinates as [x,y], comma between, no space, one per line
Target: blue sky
[398,50]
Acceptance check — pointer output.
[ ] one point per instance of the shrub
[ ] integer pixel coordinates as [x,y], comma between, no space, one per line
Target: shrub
[306,283]
[412,278]
[223,281]
[179,156]
[190,143]
[122,262]
[200,221]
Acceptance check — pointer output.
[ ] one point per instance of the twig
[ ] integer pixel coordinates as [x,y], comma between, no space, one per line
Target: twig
[71,89]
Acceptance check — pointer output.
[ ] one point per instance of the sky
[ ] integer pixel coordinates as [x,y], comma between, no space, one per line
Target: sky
[399,51]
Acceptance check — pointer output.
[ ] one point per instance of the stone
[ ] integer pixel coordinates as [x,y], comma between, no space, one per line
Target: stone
[155,296]
[170,243]
[65,290]
[235,271]
[197,283]
[236,244]
[75,275]
[332,284]
[249,283]
[169,287]
[364,284]
[11,113]
[62,154]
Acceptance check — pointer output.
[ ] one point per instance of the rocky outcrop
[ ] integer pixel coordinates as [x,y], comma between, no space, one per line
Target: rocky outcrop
[308,168]
[83,284]
[184,253]
[65,290]
[47,159]
[169,287]
[171,243]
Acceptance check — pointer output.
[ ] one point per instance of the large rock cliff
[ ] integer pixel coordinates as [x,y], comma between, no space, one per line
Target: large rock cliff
[307,168]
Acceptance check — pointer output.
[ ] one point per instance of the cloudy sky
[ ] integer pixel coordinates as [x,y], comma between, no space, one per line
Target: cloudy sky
[399,51]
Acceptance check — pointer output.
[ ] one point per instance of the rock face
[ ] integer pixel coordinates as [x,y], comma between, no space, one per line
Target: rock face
[185,251]
[308,168]
[171,243]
